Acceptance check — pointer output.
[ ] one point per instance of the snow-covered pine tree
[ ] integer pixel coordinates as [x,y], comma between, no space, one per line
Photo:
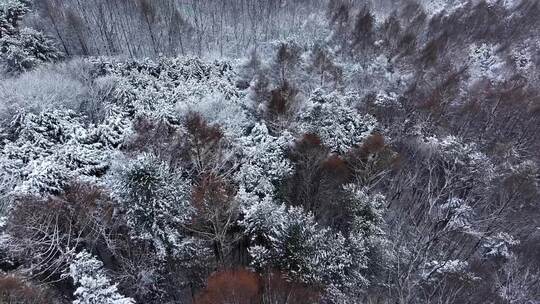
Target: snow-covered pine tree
[94,286]
[290,240]
[11,13]
[339,125]
[155,198]
[22,49]
[26,50]
[264,161]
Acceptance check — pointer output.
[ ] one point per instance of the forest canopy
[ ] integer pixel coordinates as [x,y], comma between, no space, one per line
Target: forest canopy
[269,151]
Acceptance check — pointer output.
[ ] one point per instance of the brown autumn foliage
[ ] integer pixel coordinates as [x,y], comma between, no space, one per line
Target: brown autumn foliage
[205,145]
[217,211]
[211,192]
[161,139]
[242,286]
[200,130]
[280,105]
[43,230]
[373,144]
[15,290]
[371,159]
[278,102]
[336,167]
[237,286]
[310,139]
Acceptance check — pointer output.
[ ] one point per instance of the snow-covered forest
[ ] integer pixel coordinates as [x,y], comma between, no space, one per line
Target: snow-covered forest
[270,151]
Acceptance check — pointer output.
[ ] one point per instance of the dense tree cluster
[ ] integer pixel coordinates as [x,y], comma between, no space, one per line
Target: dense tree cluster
[21,49]
[335,151]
